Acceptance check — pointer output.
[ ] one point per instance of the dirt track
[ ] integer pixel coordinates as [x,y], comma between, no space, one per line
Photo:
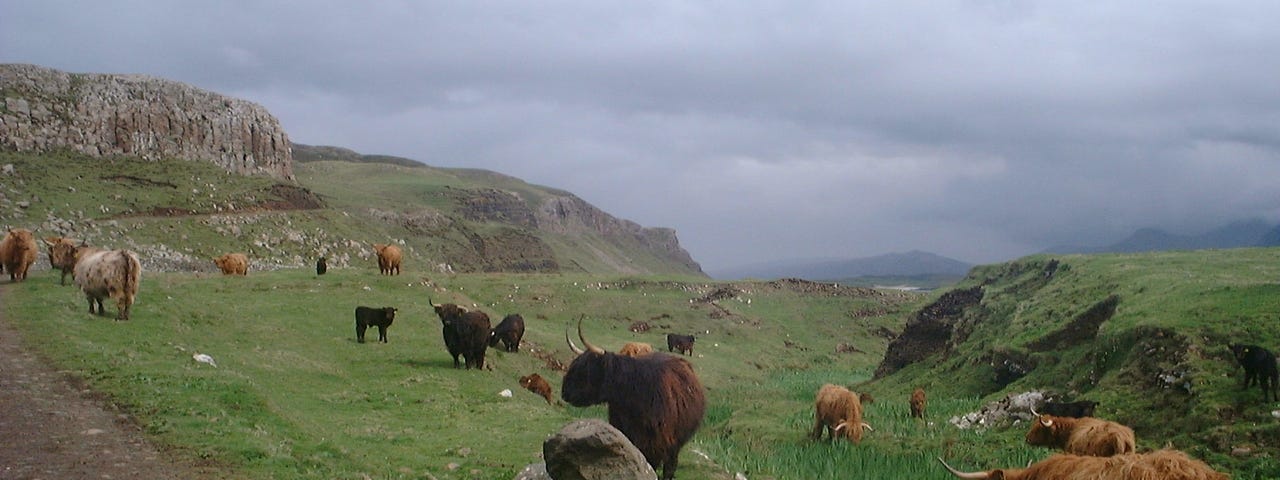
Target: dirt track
[50,428]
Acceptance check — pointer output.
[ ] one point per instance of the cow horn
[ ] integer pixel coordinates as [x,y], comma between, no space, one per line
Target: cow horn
[867,426]
[959,474]
[433,304]
[1047,423]
[574,348]
[585,343]
[1033,411]
[841,426]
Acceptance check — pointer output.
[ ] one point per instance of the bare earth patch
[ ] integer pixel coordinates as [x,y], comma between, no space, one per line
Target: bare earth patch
[50,428]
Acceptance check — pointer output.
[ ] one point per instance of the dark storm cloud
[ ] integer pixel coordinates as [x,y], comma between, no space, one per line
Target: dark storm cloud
[981,130]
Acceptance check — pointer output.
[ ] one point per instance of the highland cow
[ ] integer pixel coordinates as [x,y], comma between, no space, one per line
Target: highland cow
[466,333]
[233,264]
[62,256]
[1081,436]
[18,251]
[1080,409]
[835,408]
[111,274]
[680,343]
[509,331]
[1259,367]
[655,400]
[321,266]
[1157,465]
[374,317]
[917,403]
[388,258]
[536,384]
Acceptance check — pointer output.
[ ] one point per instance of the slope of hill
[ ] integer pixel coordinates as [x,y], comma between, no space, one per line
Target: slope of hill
[1141,333]
[180,214]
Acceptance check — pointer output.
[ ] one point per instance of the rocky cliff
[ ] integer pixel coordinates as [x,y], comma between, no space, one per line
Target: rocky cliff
[101,115]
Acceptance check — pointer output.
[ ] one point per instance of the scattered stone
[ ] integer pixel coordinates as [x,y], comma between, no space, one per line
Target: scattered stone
[593,450]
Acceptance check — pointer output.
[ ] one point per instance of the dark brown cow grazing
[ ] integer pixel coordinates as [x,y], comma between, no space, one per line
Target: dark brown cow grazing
[835,408]
[1259,366]
[1081,436]
[1083,408]
[635,349]
[917,403]
[655,400]
[18,251]
[536,384]
[509,331]
[1157,465]
[233,264]
[321,266]
[465,333]
[374,317]
[108,274]
[680,343]
[388,258]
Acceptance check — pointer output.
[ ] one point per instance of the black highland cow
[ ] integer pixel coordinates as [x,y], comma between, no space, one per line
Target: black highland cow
[374,317]
[509,331]
[1259,366]
[655,400]
[466,333]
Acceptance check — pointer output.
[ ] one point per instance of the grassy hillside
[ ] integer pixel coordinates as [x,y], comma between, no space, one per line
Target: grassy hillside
[183,213]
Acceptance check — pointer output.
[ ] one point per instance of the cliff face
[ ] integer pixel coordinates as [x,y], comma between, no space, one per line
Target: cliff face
[568,213]
[102,115]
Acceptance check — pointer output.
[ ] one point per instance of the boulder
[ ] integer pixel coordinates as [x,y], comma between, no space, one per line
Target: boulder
[594,450]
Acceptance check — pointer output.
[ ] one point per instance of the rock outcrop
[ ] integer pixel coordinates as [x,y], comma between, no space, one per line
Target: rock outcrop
[567,213]
[102,115]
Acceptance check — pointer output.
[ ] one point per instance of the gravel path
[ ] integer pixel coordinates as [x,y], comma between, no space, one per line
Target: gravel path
[51,428]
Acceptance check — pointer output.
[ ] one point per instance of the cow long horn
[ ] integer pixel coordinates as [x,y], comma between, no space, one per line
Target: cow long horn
[959,474]
[1033,411]
[585,343]
[841,426]
[574,348]
[867,426]
[1047,423]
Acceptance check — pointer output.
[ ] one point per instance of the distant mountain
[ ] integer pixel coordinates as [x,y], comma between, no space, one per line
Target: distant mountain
[909,264]
[1247,233]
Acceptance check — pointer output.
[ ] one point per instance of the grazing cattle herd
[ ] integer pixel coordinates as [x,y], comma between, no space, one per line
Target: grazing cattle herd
[655,399]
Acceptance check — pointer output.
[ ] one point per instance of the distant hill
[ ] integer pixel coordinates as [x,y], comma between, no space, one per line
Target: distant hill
[1247,233]
[906,264]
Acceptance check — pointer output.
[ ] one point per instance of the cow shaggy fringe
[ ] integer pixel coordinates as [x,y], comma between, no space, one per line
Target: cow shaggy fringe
[839,411]
[1082,436]
[1158,465]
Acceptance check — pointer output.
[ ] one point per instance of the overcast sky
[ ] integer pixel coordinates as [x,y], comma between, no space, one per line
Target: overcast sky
[982,130]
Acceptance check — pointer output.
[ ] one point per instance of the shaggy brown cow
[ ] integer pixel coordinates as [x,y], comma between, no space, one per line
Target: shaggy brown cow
[108,274]
[1081,436]
[1157,465]
[655,400]
[388,258]
[233,264]
[18,251]
[635,349]
[835,408]
[536,384]
[917,403]
[62,255]
[466,333]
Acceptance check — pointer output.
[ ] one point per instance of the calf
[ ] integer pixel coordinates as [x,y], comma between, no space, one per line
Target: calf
[1083,408]
[680,343]
[509,331]
[1081,436]
[374,317]
[635,349]
[917,403]
[536,384]
[321,266]
[1259,366]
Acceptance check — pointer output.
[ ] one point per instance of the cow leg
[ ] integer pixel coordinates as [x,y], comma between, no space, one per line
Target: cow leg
[122,309]
[455,362]
[382,333]
[669,466]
